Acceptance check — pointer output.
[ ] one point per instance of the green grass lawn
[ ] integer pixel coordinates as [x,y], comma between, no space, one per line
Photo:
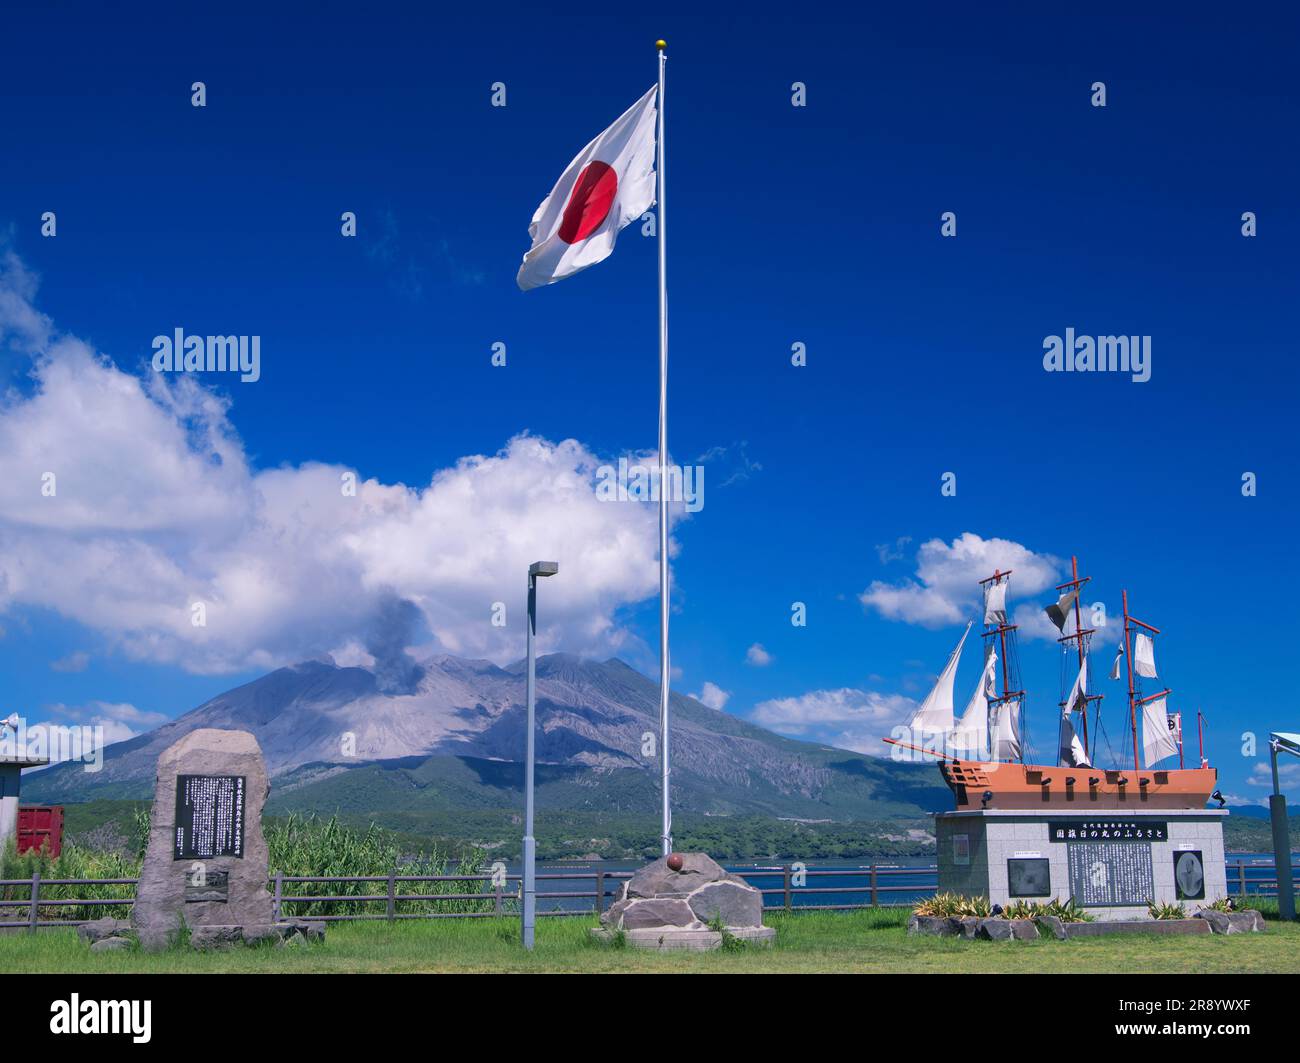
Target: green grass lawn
[864,941]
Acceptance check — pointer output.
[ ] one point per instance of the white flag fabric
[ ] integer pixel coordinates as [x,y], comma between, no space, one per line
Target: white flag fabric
[1158,740]
[995,603]
[1119,659]
[608,185]
[1144,656]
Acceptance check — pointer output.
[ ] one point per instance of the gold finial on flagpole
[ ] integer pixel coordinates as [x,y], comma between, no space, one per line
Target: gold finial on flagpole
[661,45]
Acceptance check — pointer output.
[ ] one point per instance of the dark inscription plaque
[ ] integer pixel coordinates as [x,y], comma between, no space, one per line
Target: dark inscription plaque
[209,816]
[1110,874]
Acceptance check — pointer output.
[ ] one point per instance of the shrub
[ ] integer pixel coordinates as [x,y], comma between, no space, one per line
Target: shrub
[953,904]
[1166,911]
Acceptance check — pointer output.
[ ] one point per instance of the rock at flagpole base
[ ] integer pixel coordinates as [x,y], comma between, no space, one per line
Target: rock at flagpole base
[679,902]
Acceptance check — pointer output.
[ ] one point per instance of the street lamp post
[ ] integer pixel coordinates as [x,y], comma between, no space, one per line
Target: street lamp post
[1282,743]
[536,569]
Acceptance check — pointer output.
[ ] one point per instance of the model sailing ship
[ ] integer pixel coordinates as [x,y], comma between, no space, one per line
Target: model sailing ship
[981,755]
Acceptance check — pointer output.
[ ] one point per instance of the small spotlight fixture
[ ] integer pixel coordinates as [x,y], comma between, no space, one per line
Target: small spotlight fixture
[1218,796]
[1069,780]
[986,798]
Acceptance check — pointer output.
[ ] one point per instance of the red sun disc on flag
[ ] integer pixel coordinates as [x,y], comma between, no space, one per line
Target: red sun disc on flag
[589,202]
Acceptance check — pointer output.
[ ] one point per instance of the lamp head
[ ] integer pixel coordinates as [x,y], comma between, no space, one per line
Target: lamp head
[543,568]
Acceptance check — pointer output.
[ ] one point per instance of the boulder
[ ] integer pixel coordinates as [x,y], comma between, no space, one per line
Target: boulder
[963,926]
[206,938]
[1024,929]
[110,944]
[734,903]
[1053,925]
[99,929]
[1246,922]
[307,929]
[659,880]
[935,925]
[996,929]
[649,912]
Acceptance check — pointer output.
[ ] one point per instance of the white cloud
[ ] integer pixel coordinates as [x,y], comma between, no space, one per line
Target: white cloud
[156,506]
[848,718]
[946,588]
[713,696]
[1262,775]
[72,732]
[73,662]
[757,656]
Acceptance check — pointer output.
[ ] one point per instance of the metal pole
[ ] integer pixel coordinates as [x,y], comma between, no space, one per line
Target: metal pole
[667,837]
[1281,844]
[529,907]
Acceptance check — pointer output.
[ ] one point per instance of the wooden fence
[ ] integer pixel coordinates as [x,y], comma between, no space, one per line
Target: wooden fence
[798,890]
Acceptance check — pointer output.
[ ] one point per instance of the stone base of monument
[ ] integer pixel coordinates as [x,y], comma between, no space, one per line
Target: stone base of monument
[108,934]
[684,938]
[683,905]
[1110,862]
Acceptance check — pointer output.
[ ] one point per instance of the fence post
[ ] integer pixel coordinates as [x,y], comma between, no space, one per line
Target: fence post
[279,893]
[788,898]
[392,894]
[498,908]
[1241,878]
[35,908]
[875,901]
[600,893]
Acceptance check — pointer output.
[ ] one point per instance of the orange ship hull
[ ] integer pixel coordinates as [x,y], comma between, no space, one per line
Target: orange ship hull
[980,784]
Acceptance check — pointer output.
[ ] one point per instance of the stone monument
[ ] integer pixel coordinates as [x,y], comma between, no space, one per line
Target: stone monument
[206,866]
[1112,862]
[677,901]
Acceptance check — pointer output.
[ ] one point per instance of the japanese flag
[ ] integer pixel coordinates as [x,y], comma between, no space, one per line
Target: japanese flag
[608,185]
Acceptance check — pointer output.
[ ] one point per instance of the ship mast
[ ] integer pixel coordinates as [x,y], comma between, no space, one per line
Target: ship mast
[1001,630]
[1076,584]
[1134,701]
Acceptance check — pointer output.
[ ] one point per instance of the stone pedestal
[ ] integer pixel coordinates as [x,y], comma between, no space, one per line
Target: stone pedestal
[664,908]
[206,864]
[1112,863]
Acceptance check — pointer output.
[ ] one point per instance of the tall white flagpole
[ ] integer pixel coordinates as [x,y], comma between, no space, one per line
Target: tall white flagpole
[664,672]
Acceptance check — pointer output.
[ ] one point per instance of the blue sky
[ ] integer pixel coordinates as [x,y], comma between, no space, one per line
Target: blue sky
[818,225]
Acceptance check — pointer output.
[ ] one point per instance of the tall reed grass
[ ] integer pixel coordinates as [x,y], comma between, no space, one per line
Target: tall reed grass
[298,846]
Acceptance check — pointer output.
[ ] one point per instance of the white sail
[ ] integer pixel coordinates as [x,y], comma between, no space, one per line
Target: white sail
[1071,751]
[1158,739]
[1071,754]
[1119,659]
[1080,688]
[1144,656]
[971,737]
[1058,613]
[935,714]
[1004,729]
[995,602]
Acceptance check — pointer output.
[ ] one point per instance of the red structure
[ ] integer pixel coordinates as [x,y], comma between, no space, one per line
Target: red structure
[39,825]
